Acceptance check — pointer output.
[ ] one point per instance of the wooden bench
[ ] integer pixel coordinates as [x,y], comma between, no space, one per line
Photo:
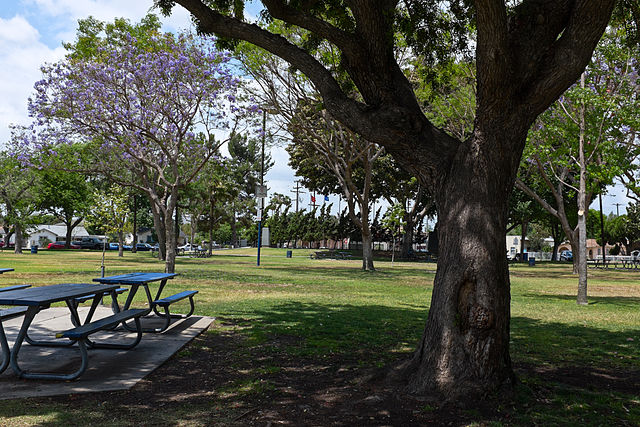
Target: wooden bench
[81,334]
[167,301]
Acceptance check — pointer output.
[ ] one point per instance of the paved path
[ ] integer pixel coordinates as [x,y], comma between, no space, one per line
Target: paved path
[108,369]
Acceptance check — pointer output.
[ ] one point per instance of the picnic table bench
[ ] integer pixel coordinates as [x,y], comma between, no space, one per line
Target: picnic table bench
[37,299]
[330,255]
[199,253]
[626,262]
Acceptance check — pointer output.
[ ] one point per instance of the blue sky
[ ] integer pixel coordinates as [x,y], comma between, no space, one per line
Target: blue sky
[32,32]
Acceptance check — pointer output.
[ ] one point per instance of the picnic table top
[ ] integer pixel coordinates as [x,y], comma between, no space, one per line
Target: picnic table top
[5,270]
[134,278]
[52,293]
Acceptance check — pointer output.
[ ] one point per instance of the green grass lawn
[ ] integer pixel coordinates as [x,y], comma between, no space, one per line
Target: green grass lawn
[331,308]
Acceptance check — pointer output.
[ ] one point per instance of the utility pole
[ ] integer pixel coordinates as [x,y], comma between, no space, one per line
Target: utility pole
[618,208]
[298,191]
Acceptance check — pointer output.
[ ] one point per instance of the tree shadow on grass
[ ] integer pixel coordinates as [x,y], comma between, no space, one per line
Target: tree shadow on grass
[619,301]
[302,363]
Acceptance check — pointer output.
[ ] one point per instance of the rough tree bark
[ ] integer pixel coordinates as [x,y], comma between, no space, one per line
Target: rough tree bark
[19,239]
[525,59]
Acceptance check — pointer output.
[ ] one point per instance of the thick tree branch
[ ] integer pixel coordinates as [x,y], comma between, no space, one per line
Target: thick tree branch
[561,60]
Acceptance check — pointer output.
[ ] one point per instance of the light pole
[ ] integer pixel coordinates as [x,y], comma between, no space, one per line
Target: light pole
[264,133]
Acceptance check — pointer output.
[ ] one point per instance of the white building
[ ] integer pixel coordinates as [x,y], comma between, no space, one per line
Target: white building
[41,235]
[513,244]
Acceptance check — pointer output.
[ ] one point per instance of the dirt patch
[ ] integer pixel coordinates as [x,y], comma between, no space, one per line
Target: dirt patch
[238,383]
[586,377]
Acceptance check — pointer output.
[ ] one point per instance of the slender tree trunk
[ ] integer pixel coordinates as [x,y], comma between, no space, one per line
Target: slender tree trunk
[523,236]
[234,230]
[582,211]
[121,244]
[465,346]
[67,243]
[159,224]
[172,241]
[134,249]
[211,205]
[19,238]
[407,237]
[367,251]
[555,233]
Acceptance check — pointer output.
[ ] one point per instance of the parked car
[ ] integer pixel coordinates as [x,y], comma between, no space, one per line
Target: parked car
[143,247]
[188,247]
[60,245]
[566,256]
[89,243]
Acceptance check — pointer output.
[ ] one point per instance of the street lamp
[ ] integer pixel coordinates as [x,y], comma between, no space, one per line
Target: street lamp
[262,194]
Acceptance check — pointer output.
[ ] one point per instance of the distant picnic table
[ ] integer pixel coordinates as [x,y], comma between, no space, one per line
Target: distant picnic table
[624,262]
[331,254]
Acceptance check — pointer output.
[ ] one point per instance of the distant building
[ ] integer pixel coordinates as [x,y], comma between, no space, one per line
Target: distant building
[513,244]
[42,235]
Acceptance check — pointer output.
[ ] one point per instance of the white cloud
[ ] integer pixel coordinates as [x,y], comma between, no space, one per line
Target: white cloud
[16,32]
[21,55]
[24,49]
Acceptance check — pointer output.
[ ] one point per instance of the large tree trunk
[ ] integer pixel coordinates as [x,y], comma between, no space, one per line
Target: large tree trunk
[465,346]
[18,239]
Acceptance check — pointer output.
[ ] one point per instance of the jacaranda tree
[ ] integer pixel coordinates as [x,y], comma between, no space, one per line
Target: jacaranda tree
[146,113]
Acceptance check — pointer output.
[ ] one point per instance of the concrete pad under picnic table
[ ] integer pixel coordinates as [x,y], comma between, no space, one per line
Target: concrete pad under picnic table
[108,369]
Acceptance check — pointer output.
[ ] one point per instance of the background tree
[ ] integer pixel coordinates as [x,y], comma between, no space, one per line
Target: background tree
[138,106]
[328,157]
[525,56]
[18,196]
[393,222]
[111,213]
[67,195]
[581,142]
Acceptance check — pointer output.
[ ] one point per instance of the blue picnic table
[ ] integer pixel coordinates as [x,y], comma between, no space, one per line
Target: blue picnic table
[138,279]
[36,299]
[5,270]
